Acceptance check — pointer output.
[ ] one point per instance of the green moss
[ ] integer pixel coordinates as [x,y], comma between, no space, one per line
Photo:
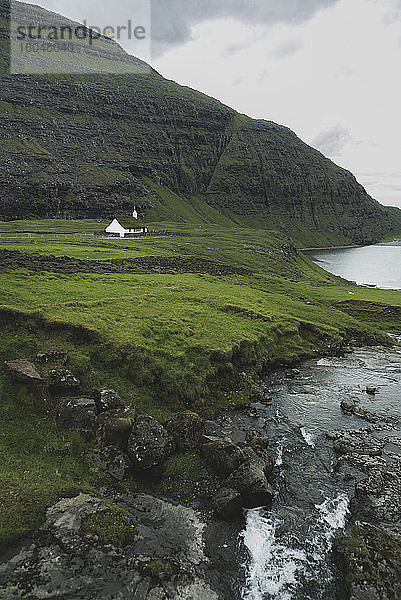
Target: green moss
[186,477]
[373,557]
[159,570]
[111,526]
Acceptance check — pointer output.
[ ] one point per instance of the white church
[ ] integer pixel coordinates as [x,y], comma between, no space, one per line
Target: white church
[123,226]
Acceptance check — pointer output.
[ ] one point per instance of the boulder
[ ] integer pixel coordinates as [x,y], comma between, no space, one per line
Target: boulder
[24,371]
[223,457]
[108,400]
[351,407]
[186,429]
[76,413]
[114,426]
[227,504]
[250,481]
[348,406]
[63,379]
[112,461]
[149,443]
[371,390]
[259,457]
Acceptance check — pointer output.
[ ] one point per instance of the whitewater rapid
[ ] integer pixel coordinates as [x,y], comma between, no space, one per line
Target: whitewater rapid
[278,566]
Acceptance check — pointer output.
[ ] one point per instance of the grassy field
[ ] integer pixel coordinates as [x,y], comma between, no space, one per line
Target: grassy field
[164,341]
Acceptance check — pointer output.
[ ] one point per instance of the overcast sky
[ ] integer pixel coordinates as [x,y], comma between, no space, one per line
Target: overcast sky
[328,69]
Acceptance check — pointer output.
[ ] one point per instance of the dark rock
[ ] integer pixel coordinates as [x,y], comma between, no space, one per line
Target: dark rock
[108,400]
[112,461]
[52,357]
[65,561]
[227,504]
[255,438]
[185,429]
[378,497]
[223,457]
[210,427]
[252,484]
[76,413]
[371,390]
[259,457]
[114,426]
[63,379]
[24,371]
[351,407]
[149,444]
[372,561]
[358,442]
[348,406]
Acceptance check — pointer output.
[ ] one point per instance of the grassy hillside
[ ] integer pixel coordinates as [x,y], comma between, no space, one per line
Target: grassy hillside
[164,340]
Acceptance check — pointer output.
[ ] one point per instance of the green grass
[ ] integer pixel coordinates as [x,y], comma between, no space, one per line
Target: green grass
[164,342]
[38,464]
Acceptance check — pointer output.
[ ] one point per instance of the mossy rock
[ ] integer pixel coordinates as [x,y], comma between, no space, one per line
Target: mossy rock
[160,569]
[111,526]
[115,426]
[185,429]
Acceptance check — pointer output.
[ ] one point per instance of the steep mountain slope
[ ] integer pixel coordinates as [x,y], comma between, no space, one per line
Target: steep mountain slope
[89,145]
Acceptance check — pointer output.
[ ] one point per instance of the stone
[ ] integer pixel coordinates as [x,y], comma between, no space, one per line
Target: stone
[65,561]
[149,443]
[348,406]
[378,497]
[259,457]
[227,504]
[114,426]
[351,407]
[358,442]
[371,390]
[52,357]
[186,429]
[64,519]
[222,456]
[76,413]
[252,484]
[372,562]
[24,371]
[112,461]
[63,379]
[108,400]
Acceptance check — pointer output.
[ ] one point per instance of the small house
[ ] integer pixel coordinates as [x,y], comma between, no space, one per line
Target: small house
[123,226]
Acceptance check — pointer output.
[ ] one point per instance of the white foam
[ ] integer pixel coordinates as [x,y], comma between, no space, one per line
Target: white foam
[334,512]
[308,437]
[279,456]
[275,570]
[273,567]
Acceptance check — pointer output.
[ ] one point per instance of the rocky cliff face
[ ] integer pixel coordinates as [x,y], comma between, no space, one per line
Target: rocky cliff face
[90,145]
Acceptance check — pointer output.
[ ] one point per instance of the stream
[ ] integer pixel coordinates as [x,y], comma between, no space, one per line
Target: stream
[286,550]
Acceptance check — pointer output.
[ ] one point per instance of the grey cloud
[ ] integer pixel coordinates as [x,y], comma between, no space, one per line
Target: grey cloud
[332,141]
[288,48]
[172,20]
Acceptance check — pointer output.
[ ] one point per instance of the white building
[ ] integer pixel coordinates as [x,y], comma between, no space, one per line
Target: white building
[123,226]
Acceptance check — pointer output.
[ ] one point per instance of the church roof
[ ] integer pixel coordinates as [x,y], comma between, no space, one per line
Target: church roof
[130,222]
